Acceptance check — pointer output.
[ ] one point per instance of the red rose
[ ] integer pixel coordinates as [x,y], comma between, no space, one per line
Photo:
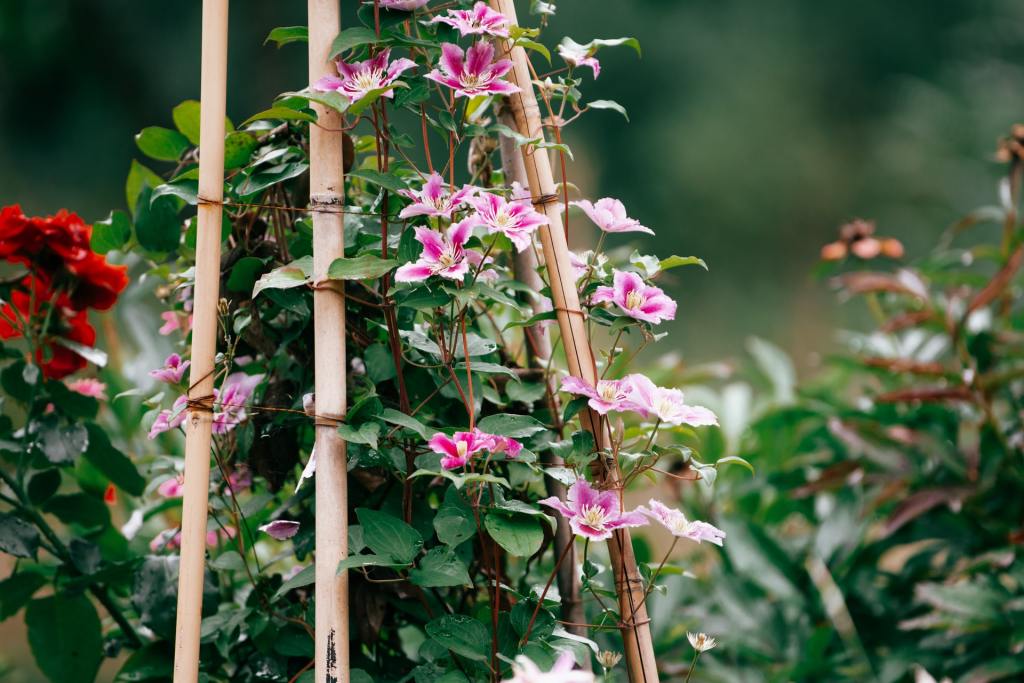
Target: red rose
[98,284]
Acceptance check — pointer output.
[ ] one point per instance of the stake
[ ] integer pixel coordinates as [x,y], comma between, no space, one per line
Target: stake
[636,633]
[327,189]
[199,423]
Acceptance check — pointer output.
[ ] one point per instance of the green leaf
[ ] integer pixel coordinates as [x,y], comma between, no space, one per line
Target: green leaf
[304,578]
[488,369]
[366,433]
[397,418]
[153,662]
[295,274]
[389,536]
[238,149]
[42,485]
[161,143]
[364,267]
[440,568]
[79,508]
[282,35]
[332,100]
[517,533]
[61,445]
[244,273]
[356,561]
[454,522]
[280,114]
[608,104]
[139,177]
[112,462]
[17,537]
[111,233]
[155,593]
[735,460]
[507,424]
[536,47]
[229,560]
[388,181]
[676,261]
[352,37]
[157,226]
[97,357]
[371,96]
[16,591]
[186,120]
[461,634]
[66,637]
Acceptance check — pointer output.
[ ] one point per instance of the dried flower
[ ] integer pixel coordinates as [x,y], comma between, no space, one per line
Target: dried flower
[701,642]
[281,529]
[608,659]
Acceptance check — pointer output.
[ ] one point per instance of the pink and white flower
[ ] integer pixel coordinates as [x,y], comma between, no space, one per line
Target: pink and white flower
[667,405]
[172,322]
[458,448]
[357,79]
[525,671]
[229,405]
[515,219]
[636,298]
[434,199]
[594,514]
[443,254]
[501,445]
[281,529]
[169,419]
[577,55]
[403,5]
[89,386]
[609,394]
[610,215]
[679,526]
[172,371]
[473,72]
[172,488]
[481,20]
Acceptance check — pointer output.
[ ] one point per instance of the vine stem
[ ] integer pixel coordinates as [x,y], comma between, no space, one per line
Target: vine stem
[693,665]
[657,572]
[544,593]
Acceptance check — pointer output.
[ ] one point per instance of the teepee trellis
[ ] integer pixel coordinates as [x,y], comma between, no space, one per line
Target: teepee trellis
[636,634]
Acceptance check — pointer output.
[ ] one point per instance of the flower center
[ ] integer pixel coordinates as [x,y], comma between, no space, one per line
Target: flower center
[593,516]
[606,390]
[369,79]
[447,259]
[462,449]
[502,219]
[634,300]
[470,80]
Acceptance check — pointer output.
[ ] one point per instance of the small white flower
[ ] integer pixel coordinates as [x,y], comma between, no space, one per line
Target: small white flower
[701,642]
[608,659]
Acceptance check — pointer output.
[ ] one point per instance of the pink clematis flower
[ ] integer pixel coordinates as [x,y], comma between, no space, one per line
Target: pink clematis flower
[458,448]
[525,671]
[481,20]
[609,394]
[499,445]
[676,522]
[357,79]
[593,514]
[636,298]
[577,55]
[239,480]
[229,406]
[402,5]
[434,199]
[515,219]
[171,323]
[666,405]
[472,72]
[443,254]
[281,529]
[170,539]
[167,420]
[88,386]
[173,370]
[172,488]
[610,215]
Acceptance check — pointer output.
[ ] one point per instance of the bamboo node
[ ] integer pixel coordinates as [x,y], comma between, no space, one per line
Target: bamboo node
[328,421]
[325,199]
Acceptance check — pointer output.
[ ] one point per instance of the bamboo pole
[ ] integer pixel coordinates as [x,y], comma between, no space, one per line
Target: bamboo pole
[199,422]
[538,348]
[636,633]
[326,189]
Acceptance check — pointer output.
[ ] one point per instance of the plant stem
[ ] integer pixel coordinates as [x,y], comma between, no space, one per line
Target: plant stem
[693,665]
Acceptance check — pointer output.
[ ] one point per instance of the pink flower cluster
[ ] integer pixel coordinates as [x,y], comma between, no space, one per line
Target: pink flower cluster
[228,408]
[637,393]
[481,20]
[459,448]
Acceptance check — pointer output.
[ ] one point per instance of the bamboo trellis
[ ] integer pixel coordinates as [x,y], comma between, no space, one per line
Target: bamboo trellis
[199,421]
[636,633]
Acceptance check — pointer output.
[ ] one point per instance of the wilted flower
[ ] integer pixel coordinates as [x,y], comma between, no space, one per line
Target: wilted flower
[858,238]
[443,254]
[609,394]
[636,298]
[577,55]
[172,371]
[666,405]
[434,199]
[701,642]
[593,514]
[89,386]
[677,524]
[608,659]
[358,79]
[472,72]
[515,219]
[610,215]
[525,671]
[481,20]
[281,529]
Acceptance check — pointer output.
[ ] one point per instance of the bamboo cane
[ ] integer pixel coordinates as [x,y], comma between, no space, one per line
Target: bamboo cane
[538,351]
[636,633]
[326,189]
[199,422]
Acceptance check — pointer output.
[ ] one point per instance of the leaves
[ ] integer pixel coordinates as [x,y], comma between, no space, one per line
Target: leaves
[454,523]
[352,37]
[111,233]
[676,261]
[112,462]
[283,35]
[81,508]
[401,419]
[186,120]
[295,274]
[65,634]
[461,634]
[17,590]
[18,537]
[440,568]
[389,536]
[364,267]
[608,104]
[519,534]
[507,424]
[161,143]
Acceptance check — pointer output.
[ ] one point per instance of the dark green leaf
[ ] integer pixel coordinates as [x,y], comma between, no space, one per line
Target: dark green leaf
[111,233]
[66,637]
[352,37]
[42,485]
[440,568]
[112,462]
[304,578]
[157,226]
[454,522]
[161,143]
[17,537]
[394,417]
[518,534]
[507,424]
[79,508]
[16,591]
[461,634]
[389,536]
[295,274]
[238,148]
[280,114]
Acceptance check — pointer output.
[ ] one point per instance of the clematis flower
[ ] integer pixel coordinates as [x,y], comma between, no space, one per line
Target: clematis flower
[610,215]
[229,405]
[679,526]
[472,72]
[172,321]
[358,79]
[701,642]
[481,20]
[172,371]
[281,529]
[434,199]
[169,419]
[517,220]
[525,671]
[172,488]
[577,55]
[609,394]
[499,445]
[593,514]
[458,448]
[403,5]
[666,405]
[636,298]
[443,254]
[88,386]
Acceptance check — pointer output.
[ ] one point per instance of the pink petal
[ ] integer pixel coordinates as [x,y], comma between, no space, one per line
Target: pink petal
[451,59]
[281,529]
[413,272]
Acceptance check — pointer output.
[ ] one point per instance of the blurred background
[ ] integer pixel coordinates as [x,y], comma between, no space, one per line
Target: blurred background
[756,128]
